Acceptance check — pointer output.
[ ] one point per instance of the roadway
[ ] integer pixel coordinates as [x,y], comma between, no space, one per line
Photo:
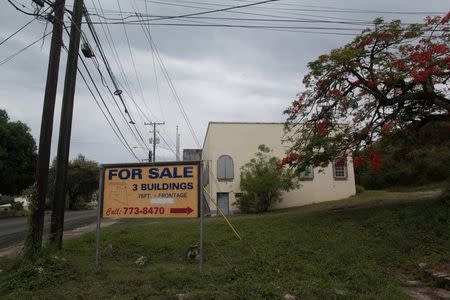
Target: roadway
[13,230]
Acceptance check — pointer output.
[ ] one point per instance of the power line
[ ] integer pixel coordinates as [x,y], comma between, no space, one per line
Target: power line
[22,9]
[118,94]
[155,74]
[112,47]
[298,7]
[4,61]
[167,144]
[230,26]
[217,10]
[117,91]
[17,31]
[152,45]
[137,76]
[128,90]
[116,130]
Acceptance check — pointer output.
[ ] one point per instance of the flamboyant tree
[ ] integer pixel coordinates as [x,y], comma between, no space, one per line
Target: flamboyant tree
[390,77]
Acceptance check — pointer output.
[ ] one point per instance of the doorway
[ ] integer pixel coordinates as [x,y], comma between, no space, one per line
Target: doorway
[223,203]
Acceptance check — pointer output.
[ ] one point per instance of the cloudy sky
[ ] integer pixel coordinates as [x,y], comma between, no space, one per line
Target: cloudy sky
[219,73]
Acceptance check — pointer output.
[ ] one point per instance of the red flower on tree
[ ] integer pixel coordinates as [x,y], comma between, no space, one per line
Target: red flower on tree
[375,161]
[364,42]
[392,73]
[322,126]
[359,160]
[336,93]
[386,128]
[288,160]
[440,48]
[323,58]
[399,64]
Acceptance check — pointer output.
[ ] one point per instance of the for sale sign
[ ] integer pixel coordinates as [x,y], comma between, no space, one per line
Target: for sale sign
[169,190]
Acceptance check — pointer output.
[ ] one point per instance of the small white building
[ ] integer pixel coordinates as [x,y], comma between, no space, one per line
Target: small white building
[23,200]
[230,145]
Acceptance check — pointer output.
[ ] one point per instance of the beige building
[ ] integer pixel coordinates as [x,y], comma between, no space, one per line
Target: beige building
[229,146]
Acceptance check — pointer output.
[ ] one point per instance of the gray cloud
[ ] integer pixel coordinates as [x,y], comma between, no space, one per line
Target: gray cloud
[220,74]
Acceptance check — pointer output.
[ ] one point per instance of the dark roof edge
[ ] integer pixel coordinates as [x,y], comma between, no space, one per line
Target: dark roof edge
[249,123]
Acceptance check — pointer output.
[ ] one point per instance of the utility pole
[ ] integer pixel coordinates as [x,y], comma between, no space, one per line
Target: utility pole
[45,138]
[154,124]
[177,146]
[65,128]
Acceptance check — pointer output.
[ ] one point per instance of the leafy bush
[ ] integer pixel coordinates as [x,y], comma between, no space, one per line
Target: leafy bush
[262,184]
[409,158]
[82,182]
[46,271]
[17,156]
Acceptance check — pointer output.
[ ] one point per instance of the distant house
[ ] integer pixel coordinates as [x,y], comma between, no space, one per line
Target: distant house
[5,207]
[228,146]
[192,154]
[23,200]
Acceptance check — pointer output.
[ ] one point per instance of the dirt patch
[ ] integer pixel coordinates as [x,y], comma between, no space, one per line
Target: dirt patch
[427,293]
[442,266]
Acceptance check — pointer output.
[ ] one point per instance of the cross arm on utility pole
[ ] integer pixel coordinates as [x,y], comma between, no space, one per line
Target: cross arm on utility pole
[154,124]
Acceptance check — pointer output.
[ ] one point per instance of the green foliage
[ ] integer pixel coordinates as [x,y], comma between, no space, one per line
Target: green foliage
[45,271]
[262,184]
[410,158]
[310,252]
[30,250]
[17,156]
[82,181]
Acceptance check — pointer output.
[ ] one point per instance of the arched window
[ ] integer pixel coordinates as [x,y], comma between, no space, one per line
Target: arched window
[225,168]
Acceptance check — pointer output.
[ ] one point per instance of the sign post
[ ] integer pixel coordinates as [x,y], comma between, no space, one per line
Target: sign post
[156,190]
[202,222]
[99,218]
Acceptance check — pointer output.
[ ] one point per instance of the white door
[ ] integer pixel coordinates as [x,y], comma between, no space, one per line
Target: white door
[223,203]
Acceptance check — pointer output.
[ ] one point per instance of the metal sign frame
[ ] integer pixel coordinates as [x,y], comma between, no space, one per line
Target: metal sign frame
[200,202]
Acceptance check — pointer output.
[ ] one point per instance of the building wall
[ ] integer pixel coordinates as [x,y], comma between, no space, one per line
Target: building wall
[241,141]
[192,154]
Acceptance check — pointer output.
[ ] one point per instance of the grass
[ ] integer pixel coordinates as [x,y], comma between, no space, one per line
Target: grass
[422,187]
[363,247]
[13,213]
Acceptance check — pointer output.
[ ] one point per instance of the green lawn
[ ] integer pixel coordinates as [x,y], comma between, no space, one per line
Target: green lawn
[364,247]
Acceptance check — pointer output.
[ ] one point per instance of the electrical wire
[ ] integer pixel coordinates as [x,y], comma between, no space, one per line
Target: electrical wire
[21,10]
[217,10]
[138,137]
[154,48]
[17,31]
[117,129]
[7,59]
[118,135]
[128,88]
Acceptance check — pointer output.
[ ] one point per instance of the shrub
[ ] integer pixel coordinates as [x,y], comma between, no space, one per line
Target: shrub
[262,184]
[409,158]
